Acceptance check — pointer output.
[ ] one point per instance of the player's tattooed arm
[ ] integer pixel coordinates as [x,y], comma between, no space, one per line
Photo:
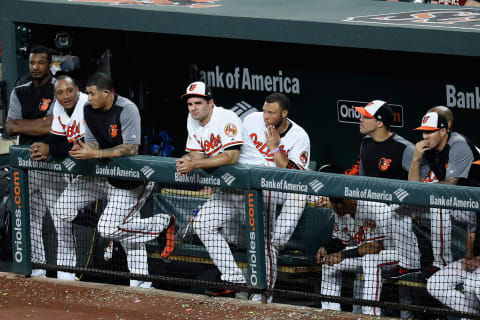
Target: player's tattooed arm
[450,180]
[94,145]
[119,151]
[91,150]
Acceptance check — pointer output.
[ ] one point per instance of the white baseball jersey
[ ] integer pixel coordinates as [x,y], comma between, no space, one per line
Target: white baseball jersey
[72,127]
[294,144]
[224,130]
[371,223]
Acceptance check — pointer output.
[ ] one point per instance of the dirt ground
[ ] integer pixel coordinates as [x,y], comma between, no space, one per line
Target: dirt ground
[51,299]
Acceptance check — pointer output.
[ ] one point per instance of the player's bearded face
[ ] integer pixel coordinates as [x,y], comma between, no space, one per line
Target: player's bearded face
[273,114]
[200,109]
[434,138]
[39,66]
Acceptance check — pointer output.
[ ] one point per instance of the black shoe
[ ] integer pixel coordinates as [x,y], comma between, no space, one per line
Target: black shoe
[430,271]
[399,272]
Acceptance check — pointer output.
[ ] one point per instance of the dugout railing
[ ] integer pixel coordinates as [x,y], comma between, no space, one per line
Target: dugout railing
[190,264]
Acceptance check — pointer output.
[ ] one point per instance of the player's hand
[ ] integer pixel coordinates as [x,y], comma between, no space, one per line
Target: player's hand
[471,264]
[82,151]
[320,256]
[333,258]
[420,148]
[272,138]
[184,165]
[39,151]
[323,202]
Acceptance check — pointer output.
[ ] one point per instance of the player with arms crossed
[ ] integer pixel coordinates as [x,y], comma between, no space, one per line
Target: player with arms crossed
[113,130]
[67,126]
[30,117]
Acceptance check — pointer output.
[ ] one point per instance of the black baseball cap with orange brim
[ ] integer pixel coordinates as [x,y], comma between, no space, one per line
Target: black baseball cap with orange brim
[377,109]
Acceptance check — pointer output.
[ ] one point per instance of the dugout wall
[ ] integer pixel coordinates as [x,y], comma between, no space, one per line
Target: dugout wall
[190,265]
[334,55]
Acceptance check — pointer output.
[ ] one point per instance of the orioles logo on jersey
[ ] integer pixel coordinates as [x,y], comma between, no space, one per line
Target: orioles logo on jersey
[359,237]
[262,147]
[231,130]
[369,225]
[113,130]
[44,104]
[213,143]
[384,164]
[73,130]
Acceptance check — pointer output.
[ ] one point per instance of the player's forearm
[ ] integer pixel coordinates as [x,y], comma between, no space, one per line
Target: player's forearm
[469,245]
[414,173]
[222,159]
[118,151]
[450,180]
[280,160]
[31,127]
[370,248]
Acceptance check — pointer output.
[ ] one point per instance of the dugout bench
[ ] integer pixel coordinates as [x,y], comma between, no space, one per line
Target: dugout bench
[313,230]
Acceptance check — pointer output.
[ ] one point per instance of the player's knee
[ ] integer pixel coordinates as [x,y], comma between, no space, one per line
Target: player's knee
[106,230]
[432,286]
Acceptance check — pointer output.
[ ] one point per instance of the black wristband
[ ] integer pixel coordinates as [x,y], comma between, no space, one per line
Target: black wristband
[350,253]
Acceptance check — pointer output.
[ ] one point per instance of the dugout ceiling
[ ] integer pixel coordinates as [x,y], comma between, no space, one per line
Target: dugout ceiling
[326,55]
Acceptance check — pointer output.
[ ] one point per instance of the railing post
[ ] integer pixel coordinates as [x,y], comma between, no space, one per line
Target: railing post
[21,245]
[255,239]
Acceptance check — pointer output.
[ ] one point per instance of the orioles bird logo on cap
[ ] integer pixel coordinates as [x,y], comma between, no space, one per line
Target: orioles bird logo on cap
[425,119]
[192,87]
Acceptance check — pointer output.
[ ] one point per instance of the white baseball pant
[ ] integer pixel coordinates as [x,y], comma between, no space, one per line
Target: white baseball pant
[442,286]
[405,240]
[370,266]
[441,229]
[44,190]
[119,221]
[292,209]
[214,226]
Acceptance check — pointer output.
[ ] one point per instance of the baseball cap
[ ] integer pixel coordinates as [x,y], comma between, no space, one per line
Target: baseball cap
[433,121]
[198,88]
[377,109]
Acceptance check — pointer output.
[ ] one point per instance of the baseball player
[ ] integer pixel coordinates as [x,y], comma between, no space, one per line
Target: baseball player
[67,126]
[113,130]
[384,154]
[281,143]
[359,243]
[214,140]
[30,117]
[449,156]
[442,285]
